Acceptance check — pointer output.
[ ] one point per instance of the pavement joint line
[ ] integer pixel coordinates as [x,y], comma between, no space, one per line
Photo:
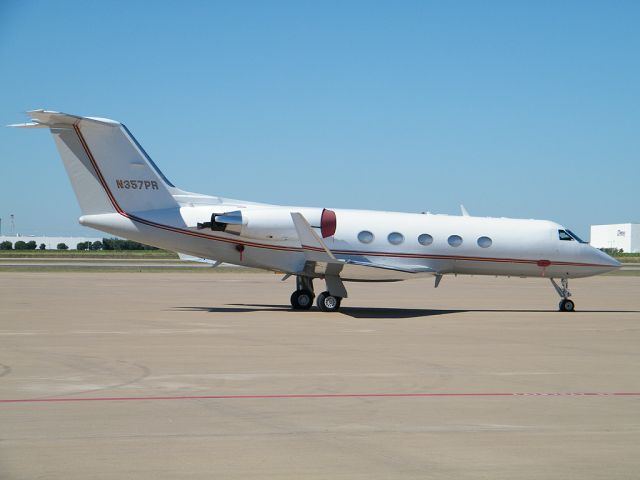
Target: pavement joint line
[322,396]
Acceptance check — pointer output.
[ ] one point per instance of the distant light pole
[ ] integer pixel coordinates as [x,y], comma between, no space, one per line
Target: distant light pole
[13,224]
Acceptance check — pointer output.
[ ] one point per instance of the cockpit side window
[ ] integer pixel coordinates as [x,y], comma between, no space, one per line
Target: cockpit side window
[563,235]
[575,237]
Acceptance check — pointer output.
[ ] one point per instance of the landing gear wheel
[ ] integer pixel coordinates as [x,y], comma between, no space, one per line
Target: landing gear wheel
[302,300]
[328,303]
[567,305]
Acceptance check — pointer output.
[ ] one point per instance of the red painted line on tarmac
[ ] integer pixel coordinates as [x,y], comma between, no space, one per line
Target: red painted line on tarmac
[321,395]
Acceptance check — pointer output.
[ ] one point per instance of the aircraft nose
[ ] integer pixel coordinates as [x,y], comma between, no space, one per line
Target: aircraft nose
[604,259]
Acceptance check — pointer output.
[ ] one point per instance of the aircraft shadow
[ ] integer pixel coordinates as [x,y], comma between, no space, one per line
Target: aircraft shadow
[364,312]
[369,312]
[355,312]
[247,308]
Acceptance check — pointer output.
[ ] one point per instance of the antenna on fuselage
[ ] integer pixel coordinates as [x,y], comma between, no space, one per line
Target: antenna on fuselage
[464,211]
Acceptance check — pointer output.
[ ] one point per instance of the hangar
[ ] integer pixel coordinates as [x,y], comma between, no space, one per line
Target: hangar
[623,236]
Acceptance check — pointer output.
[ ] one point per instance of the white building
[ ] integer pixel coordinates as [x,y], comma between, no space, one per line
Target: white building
[50,242]
[625,236]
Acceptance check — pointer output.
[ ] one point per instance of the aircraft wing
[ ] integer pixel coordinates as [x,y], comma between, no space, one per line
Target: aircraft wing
[353,270]
[320,260]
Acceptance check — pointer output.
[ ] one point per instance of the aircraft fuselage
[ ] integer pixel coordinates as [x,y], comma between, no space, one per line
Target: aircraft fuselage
[480,246]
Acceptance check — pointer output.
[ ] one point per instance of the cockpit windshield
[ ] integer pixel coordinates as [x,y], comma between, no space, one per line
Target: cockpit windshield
[569,236]
[576,237]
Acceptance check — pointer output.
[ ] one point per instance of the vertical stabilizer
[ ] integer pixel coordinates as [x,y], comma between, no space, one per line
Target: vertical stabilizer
[108,169]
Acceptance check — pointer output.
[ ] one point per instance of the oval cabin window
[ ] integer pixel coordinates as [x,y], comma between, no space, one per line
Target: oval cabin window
[365,236]
[425,239]
[484,242]
[455,240]
[395,238]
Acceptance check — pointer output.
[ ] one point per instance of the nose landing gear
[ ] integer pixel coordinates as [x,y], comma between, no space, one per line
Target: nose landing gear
[566,305]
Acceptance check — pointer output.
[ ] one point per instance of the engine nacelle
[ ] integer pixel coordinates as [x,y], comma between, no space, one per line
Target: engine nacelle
[270,223]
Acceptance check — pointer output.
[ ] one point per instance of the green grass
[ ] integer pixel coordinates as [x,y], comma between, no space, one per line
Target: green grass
[151,254]
[127,269]
[631,258]
[624,273]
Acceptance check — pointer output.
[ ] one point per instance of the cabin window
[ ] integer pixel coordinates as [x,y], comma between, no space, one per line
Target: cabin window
[563,235]
[484,242]
[396,238]
[365,236]
[425,239]
[455,240]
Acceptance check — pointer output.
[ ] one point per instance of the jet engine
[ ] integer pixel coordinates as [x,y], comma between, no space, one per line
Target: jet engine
[269,223]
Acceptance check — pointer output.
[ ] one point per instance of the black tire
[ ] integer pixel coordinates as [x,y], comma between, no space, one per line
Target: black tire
[567,305]
[302,300]
[328,303]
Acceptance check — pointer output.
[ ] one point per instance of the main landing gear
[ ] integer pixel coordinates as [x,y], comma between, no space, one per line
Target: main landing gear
[328,303]
[566,305]
[302,298]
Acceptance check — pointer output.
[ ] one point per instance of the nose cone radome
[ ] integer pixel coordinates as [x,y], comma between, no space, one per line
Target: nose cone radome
[608,263]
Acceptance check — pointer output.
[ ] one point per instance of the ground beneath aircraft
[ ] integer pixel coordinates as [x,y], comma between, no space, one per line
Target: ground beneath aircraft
[166,375]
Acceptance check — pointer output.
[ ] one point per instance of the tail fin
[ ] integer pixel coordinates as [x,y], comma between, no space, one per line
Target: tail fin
[108,169]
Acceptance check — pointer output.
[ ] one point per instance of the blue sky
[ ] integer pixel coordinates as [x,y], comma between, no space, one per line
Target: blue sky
[518,109]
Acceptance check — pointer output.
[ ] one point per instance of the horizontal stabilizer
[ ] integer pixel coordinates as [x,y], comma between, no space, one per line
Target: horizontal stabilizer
[49,118]
[28,125]
[191,258]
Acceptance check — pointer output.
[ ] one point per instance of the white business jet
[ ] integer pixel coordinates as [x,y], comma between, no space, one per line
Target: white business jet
[122,192]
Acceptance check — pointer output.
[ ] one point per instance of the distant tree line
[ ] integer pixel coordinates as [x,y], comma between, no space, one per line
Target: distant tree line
[19,245]
[619,252]
[118,244]
[105,244]
[612,251]
[30,245]
[97,245]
